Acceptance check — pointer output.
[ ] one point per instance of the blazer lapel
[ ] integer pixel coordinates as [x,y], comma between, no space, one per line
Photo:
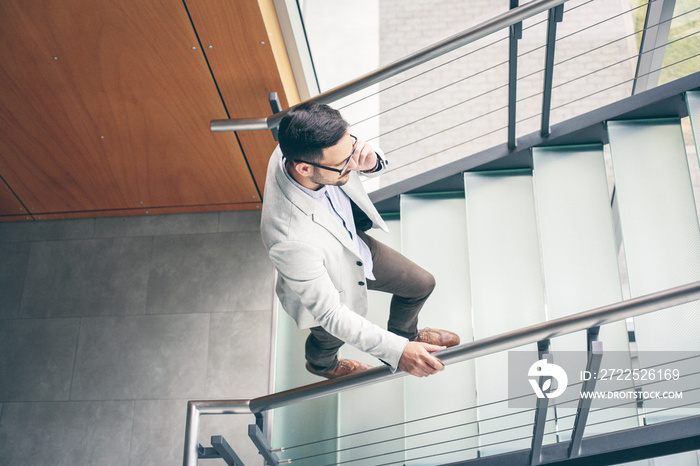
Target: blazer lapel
[319,214]
[324,218]
[355,191]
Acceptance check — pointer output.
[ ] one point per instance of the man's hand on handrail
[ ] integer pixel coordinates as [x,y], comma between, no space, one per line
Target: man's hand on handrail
[417,360]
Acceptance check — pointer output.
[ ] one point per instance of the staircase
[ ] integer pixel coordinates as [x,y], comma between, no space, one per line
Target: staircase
[514,248]
[521,232]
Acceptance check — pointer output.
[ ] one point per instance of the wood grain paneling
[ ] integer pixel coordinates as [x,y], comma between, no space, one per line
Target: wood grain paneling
[105,105]
[242,60]
[9,204]
[279,50]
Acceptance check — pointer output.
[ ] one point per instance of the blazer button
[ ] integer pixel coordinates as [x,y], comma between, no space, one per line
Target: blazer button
[361,283]
[359,263]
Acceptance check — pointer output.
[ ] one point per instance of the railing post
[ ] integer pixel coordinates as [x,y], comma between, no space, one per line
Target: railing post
[595,357]
[474,33]
[220,449]
[541,411]
[191,432]
[258,438]
[657,26]
[516,33]
[556,15]
[276,107]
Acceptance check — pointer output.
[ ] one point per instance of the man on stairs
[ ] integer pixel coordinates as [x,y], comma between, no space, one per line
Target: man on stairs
[314,216]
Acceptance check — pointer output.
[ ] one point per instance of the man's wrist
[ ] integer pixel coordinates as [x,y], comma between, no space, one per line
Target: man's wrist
[377,166]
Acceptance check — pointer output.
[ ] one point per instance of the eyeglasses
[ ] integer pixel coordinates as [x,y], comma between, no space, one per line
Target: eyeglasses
[340,171]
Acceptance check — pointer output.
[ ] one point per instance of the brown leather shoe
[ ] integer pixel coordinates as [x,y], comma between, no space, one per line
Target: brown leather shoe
[344,367]
[438,337]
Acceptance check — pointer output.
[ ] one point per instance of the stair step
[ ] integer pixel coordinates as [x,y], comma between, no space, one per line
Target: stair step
[517,248]
[579,257]
[379,405]
[660,233]
[659,225]
[507,290]
[433,235]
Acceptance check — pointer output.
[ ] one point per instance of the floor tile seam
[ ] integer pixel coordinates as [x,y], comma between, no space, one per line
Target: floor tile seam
[206,370]
[73,397]
[75,359]
[38,238]
[123,236]
[148,276]
[24,281]
[184,400]
[131,433]
[199,313]
[237,311]
[28,318]
[274,320]
[166,234]
[110,316]
[209,234]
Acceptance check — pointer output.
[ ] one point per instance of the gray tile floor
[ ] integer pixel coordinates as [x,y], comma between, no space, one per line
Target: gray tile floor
[108,326]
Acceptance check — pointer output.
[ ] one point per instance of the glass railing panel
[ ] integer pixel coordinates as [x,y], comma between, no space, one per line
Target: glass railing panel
[368,408]
[579,256]
[320,416]
[456,105]
[434,229]
[596,56]
[505,422]
[682,54]
[693,101]
[659,229]
[449,108]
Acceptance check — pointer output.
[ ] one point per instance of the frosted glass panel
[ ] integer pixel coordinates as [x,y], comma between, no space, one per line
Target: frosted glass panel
[335,415]
[660,233]
[504,256]
[377,405]
[320,415]
[692,99]
[659,225]
[507,289]
[433,233]
[579,256]
[578,239]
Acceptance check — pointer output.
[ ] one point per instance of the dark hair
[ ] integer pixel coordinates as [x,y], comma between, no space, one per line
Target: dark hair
[309,128]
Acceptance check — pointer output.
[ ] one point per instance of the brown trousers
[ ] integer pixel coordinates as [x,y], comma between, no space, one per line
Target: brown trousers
[410,286]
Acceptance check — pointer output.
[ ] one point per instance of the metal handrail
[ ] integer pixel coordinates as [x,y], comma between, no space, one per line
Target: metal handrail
[504,20]
[509,340]
[505,341]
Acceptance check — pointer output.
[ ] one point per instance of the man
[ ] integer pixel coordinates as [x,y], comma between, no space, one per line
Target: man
[314,213]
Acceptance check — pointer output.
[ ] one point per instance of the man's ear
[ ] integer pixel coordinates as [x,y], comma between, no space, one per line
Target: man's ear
[304,169]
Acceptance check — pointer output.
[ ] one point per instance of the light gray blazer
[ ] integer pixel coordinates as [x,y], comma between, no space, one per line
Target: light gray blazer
[321,278]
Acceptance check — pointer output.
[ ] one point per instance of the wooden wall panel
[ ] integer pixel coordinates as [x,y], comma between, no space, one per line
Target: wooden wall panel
[246,69]
[105,105]
[9,204]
